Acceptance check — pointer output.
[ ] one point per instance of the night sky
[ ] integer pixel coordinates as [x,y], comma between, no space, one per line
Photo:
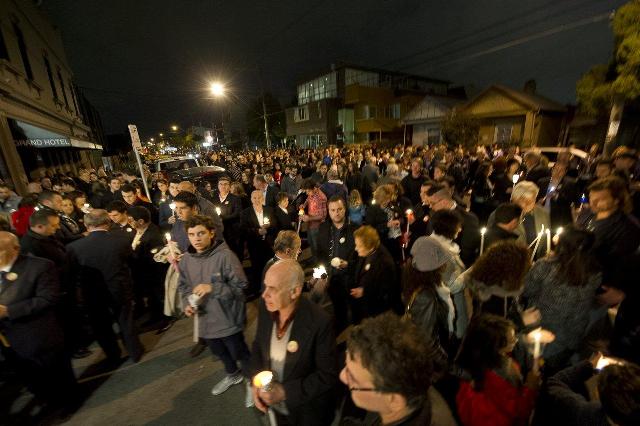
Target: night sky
[149,62]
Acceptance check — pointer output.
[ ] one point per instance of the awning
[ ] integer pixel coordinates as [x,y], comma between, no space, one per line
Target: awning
[25,134]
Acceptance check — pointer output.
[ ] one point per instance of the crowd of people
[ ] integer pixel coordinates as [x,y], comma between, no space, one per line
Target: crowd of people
[428,277]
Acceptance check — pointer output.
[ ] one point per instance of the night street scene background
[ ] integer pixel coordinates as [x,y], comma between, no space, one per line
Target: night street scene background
[382,212]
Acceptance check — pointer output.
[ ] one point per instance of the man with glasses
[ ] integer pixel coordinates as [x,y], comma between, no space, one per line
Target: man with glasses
[388,371]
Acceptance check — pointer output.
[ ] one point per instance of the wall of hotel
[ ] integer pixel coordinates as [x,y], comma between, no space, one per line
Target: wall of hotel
[36,85]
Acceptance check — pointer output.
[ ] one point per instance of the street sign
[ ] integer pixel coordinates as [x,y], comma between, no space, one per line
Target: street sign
[135,137]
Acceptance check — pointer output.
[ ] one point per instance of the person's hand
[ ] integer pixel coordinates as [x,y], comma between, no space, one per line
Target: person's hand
[394,223]
[611,296]
[4,312]
[343,264]
[357,292]
[533,379]
[260,405]
[189,310]
[318,284]
[531,316]
[202,289]
[273,396]
[305,218]
[171,220]
[593,360]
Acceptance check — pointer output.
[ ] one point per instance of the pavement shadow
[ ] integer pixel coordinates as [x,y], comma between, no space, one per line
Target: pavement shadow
[196,406]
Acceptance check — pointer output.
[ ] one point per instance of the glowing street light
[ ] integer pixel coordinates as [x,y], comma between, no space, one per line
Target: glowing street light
[174,128]
[151,139]
[217,89]
[161,134]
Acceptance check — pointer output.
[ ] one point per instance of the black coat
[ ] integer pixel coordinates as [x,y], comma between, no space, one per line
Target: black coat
[283,219]
[495,234]
[101,260]
[345,250]
[250,226]
[563,197]
[310,372]
[145,270]
[49,248]
[32,327]
[469,237]
[537,173]
[376,274]
[271,199]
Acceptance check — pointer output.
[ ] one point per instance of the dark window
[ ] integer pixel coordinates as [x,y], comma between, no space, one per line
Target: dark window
[73,97]
[47,65]
[23,51]
[4,54]
[64,92]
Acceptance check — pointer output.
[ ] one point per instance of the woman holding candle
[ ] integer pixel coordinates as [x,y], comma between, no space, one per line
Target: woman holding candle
[563,287]
[387,217]
[493,284]
[493,391]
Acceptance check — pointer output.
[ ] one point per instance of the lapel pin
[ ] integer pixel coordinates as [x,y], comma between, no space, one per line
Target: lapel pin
[11,276]
[367,266]
[292,346]
[342,240]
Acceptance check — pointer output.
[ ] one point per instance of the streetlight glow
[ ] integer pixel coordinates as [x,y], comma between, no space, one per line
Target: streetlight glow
[161,134]
[174,128]
[217,89]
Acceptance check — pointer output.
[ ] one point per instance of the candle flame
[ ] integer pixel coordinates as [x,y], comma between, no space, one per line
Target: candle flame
[263,379]
[483,231]
[167,236]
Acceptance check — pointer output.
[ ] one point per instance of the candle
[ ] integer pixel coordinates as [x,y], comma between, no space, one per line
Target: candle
[320,272]
[537,241]
[172,206]
[548,235]
[335,262]
[583,198]
[263,380]
[373,202]
[482,232]
[301,212]
[265,221]
[167,237]
[515,178]
[539,337]
[218,211]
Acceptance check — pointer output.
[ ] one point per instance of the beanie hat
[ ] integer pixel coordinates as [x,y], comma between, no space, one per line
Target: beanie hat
[428,254]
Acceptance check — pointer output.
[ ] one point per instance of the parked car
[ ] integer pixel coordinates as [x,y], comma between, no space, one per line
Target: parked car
[189,168]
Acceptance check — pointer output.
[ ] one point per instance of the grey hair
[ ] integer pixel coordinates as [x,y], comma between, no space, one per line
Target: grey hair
[525,189]
[96,217]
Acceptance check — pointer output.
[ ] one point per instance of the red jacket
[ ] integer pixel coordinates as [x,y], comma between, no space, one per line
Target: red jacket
[20,219]
[499,403]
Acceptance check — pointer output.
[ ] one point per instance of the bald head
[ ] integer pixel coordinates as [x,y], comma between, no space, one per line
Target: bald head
[187,186]
[283,285]
[10,247]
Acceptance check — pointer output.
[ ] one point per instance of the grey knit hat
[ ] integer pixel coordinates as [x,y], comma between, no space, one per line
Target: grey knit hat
[428,254]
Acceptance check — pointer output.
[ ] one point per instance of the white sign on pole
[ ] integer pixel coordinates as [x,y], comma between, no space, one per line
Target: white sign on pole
[135,137]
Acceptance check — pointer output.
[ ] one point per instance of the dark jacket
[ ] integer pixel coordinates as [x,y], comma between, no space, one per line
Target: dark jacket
[145,270]
[411,187]
[429,312]
[271,199]
[333,242]
[469,237]
[495,234]
[49,248]
[376,274]
[283,219]
[569,405]
[31,326]
[310,372]
[101,259]
[537,173]
[560,200]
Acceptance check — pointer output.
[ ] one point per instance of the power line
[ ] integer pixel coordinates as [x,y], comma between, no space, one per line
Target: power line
[525,39]
[483,40]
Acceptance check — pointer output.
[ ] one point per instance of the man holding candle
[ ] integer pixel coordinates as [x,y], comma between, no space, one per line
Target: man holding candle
[295,341]
[230,208]
[335,241]
[214,274]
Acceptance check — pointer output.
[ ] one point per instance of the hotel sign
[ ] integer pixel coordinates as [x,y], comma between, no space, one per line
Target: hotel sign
[44,143]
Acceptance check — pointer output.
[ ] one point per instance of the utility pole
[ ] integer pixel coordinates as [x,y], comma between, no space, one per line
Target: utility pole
[266,124]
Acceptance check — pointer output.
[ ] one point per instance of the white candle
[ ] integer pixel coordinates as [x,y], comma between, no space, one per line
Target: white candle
[515,178]
[548,235]
[482,232]
[537,241]
[537,336]
[218,211]
[263,380]
[172,206]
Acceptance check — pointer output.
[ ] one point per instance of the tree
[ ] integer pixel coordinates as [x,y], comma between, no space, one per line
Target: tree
[460,129]
[275,120]
[611,86]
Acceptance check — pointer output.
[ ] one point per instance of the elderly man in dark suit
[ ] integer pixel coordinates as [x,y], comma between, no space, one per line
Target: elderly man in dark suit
[99,265]
[259,226]
[29,291]
[294,341]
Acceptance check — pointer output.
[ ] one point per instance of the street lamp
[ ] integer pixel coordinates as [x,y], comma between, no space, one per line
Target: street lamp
[174,128]
[161,134]
[217,89]
[151,139]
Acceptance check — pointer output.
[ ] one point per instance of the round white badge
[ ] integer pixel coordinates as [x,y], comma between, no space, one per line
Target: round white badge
[11,276]
[342,240]
[367,266]
[292,346]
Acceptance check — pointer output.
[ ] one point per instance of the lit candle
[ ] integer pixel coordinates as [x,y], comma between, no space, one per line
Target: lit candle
[373,202]
[300,214]
[263,380]
[539,337]
[319,272]
[265,221]
[515,178]
[172,206]
[483,231]
[218,211]
[537,241]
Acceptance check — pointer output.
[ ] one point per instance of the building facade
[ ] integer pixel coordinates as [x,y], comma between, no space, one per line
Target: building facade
[45,124]
[510,116]
[423,122]
[352,104]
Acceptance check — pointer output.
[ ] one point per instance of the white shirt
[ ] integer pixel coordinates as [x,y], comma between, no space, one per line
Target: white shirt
[260,217]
